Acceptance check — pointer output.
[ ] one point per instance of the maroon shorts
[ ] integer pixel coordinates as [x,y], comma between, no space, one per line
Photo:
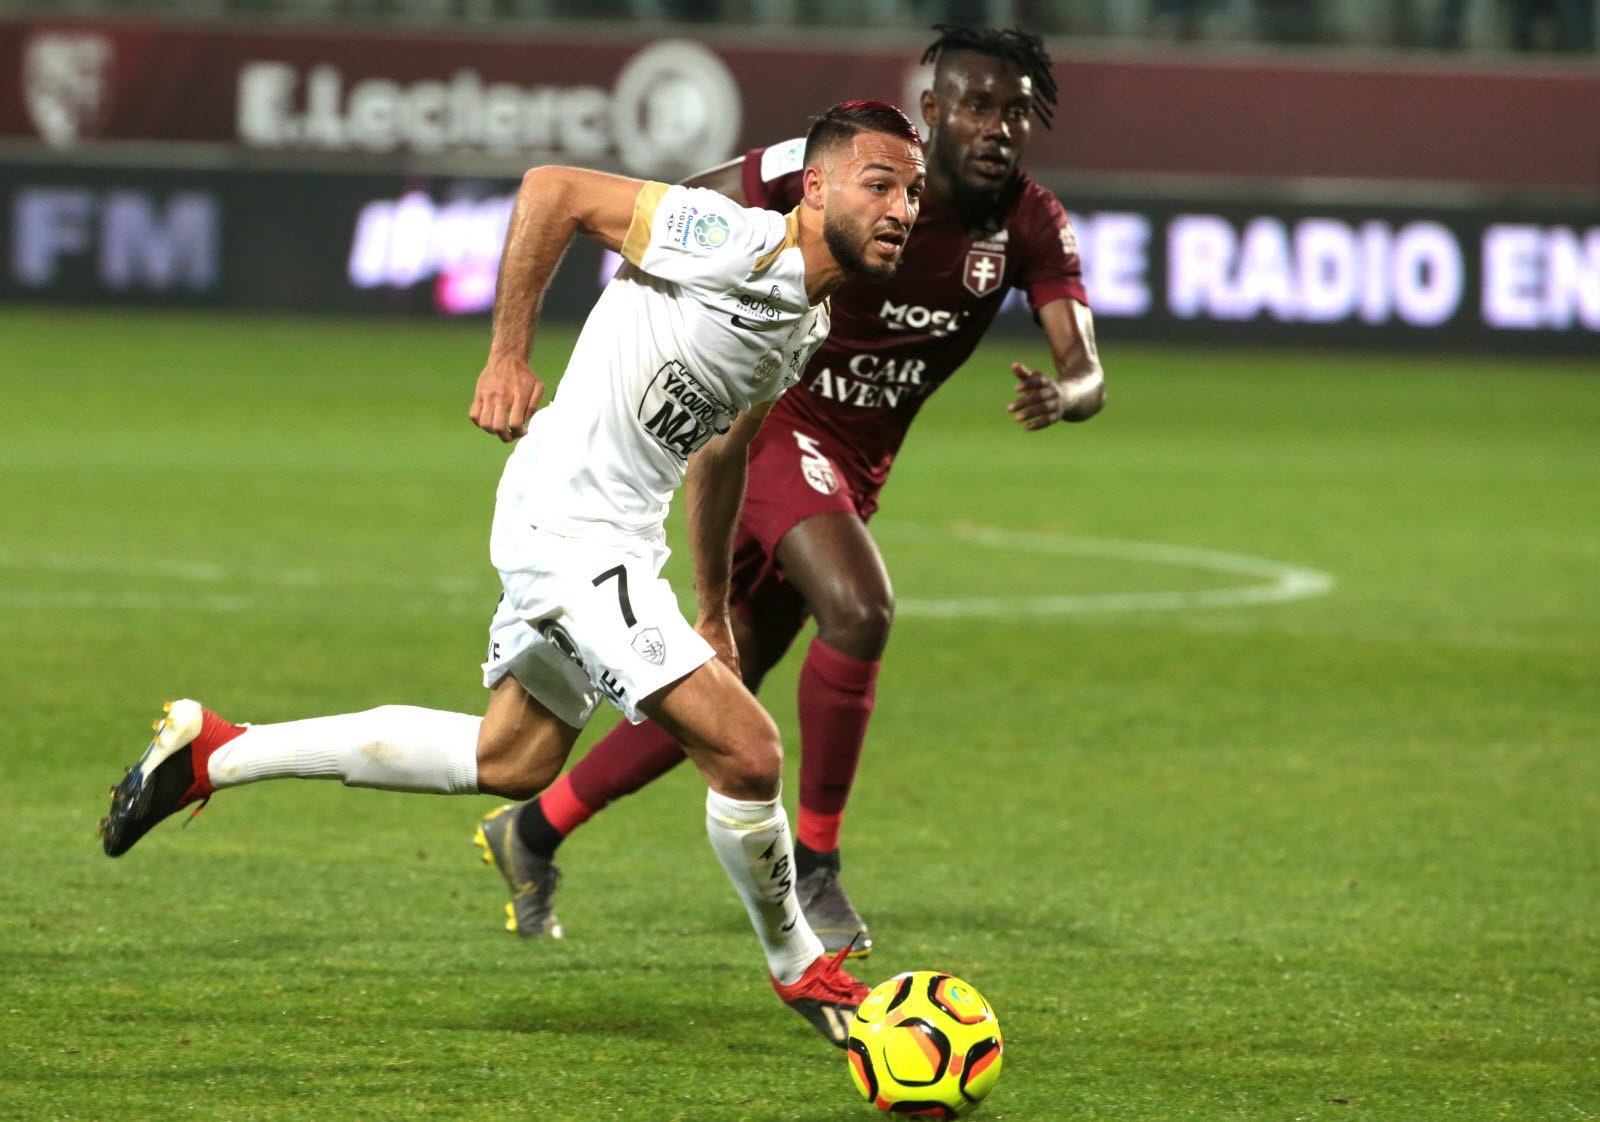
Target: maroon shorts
[793,476]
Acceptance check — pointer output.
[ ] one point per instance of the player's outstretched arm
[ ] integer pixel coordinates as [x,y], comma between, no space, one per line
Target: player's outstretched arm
[713,490]
[553,204]
[1078,391]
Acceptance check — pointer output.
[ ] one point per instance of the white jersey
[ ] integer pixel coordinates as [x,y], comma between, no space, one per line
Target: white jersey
[707,318]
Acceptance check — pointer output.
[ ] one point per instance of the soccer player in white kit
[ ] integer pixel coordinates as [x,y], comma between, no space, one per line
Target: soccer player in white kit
[714,313]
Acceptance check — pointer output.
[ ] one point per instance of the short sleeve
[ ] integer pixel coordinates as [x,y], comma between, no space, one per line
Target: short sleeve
[1052,269]
[773,177]
[698,238]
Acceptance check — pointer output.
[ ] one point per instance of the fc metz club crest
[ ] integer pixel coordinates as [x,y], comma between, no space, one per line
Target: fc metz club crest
[984,269]
[64,82]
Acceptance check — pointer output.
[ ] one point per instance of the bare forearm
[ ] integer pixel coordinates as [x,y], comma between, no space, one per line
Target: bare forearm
[541,228]
[1078,370]
[1083,393]
[713,492]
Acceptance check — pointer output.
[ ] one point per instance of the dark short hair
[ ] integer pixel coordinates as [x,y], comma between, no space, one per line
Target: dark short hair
[841,123]
[1015,45]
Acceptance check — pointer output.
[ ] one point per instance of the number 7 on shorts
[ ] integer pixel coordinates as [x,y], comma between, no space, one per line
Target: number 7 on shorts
[622,591]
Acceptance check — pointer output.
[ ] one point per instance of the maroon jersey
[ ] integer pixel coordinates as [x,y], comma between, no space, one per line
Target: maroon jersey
[893,344]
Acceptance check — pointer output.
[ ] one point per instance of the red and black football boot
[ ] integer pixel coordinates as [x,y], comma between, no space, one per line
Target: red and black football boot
[826,996]
[170,775]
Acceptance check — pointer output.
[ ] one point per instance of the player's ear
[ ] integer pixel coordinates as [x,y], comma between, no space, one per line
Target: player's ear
[813,182]
[930,109]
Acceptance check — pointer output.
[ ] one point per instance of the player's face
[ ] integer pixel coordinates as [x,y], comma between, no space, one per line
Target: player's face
[872,201]
[981,111]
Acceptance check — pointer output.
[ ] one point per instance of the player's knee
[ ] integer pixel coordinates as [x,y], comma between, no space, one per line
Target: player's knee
[753,766]
[750,779]
[858,626]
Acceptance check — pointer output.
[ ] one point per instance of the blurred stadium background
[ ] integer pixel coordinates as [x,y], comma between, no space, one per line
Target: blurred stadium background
[1416,174]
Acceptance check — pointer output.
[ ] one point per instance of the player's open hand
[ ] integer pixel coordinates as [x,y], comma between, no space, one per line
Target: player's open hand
[508,393]
[1041,400]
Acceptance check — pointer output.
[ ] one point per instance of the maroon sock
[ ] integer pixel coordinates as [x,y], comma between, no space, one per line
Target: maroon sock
[624,760]
[836,694]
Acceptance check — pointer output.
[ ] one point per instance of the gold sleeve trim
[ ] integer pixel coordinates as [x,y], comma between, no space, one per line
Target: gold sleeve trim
[644,217]
[791,238]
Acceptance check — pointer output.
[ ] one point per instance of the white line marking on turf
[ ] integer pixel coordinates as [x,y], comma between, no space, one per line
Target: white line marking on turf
[1275,581]
[205,572]
[1279,582]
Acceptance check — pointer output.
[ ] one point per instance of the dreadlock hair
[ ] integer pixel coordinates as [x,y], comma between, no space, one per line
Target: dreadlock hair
[839,124]
[1014,45]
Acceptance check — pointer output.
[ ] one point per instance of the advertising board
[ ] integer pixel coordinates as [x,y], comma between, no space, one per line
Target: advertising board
[1265,271]
[501,100]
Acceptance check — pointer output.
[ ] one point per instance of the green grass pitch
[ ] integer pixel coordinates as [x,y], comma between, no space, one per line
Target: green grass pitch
[1240,745]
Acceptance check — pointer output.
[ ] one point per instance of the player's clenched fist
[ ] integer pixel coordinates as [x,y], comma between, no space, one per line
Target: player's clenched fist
[507,395]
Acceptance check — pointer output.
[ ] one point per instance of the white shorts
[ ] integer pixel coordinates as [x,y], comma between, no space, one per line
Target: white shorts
[580,620]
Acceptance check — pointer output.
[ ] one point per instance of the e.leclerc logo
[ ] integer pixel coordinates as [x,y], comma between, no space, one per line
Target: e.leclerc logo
[674,108]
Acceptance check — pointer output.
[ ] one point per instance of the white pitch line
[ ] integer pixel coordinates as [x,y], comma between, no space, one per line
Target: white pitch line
[1281,582]
[199,571]
[205,572]
[1276,582]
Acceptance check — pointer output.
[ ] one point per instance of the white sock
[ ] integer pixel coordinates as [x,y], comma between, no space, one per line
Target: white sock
[752,842]
[393,748]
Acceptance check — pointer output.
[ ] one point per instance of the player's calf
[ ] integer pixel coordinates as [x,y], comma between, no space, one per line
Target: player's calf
[522,745]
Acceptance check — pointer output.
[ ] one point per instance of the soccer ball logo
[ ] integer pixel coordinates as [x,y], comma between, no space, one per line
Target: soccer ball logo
[710,231]
[925,1045]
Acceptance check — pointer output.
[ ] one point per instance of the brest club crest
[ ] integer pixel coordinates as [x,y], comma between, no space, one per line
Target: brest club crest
[65,81]
[650,646]
[983,271]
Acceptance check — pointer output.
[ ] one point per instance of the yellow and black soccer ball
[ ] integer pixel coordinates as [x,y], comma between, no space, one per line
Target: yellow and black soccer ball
[925,1045]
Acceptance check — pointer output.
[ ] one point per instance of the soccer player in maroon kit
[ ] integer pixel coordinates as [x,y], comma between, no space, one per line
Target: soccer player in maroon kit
[803,547]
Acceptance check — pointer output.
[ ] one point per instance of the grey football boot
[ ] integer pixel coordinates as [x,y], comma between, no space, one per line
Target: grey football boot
[532,879]
[829,911]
